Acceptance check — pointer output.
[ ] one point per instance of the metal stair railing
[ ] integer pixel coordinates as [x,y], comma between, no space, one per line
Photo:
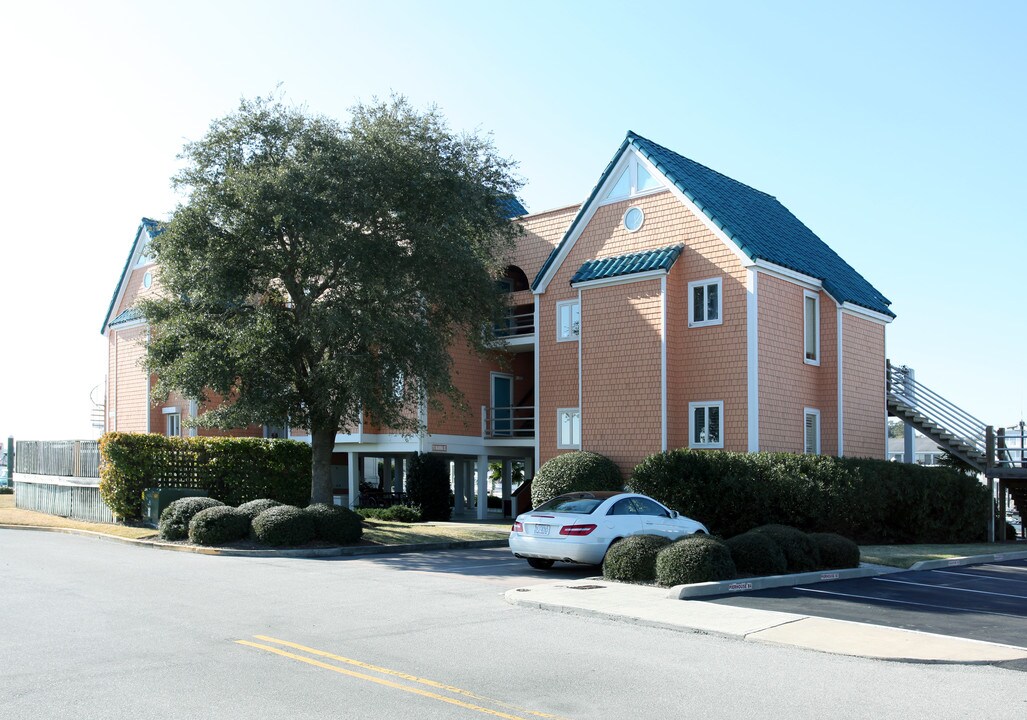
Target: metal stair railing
[949,418]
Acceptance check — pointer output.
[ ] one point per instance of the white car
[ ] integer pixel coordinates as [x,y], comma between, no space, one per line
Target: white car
[579,527]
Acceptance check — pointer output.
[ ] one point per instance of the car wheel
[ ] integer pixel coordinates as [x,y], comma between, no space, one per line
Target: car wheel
[612,543]
[540,563]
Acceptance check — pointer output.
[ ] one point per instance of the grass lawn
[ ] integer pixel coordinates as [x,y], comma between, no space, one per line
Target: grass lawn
[376,532]
[904,556]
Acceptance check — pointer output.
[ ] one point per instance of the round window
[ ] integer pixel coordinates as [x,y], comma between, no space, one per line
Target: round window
[147,280]
[633,219]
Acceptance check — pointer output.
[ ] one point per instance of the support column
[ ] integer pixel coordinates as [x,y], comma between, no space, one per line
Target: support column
[529,468]
[507,488]
[483,487]
[908,443]
[469,484]
[1002,511]
[397,474]
[353,468]
[458,486]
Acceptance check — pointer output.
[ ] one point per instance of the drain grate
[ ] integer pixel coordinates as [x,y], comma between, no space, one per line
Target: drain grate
[585,587]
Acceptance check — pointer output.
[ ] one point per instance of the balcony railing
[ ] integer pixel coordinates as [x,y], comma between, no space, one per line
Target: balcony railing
[519,323]
[508,422]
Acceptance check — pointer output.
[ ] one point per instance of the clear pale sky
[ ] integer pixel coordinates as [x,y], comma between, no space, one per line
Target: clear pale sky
[895,130]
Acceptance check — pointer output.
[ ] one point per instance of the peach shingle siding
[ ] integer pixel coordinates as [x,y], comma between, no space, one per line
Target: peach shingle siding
[620,380]
[863,401]
[129,380]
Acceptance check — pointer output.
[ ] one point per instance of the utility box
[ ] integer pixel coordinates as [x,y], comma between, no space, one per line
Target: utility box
[156,499]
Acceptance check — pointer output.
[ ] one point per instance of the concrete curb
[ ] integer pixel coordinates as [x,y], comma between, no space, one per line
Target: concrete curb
[729,587]
[969,560]
[308,553]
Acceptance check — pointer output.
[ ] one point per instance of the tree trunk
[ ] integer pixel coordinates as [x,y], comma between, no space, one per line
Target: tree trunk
[322,442]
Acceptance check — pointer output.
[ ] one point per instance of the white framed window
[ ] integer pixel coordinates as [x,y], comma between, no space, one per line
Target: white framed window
[568,428]
[704,303]
[811,327]
[633,218]
[811,431]
[706,424]
[174,424]
[568,320]
[632,179]
[147,280]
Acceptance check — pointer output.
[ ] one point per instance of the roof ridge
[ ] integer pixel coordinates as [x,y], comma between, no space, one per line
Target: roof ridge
[633,135]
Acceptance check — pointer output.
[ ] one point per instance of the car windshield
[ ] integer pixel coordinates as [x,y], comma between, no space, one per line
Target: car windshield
[579,505]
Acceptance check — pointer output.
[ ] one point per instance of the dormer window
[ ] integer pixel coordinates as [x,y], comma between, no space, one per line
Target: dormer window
[632,178]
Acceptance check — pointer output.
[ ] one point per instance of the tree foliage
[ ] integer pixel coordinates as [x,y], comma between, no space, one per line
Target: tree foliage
[316,271]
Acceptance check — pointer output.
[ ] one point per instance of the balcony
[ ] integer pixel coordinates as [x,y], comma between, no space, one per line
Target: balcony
[508,423]
[517,330]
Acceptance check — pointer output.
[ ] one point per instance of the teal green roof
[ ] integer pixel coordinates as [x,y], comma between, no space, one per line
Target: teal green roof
[126,316]
[639,262]
[153,229]
[756,222]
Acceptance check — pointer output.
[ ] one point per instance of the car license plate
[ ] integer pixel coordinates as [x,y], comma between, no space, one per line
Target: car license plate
[541,529]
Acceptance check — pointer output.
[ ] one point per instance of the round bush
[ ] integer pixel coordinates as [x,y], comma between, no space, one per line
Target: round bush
[800,551]
[284,525]
[218,525]
[174,521]
[633,559]
[253,508]
[694,559]
[337,525]
[428,486]
[835,551]
[574,472]
[757,554]
[401,513]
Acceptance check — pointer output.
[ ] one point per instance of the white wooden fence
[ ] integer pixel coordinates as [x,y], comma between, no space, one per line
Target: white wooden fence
[57,496]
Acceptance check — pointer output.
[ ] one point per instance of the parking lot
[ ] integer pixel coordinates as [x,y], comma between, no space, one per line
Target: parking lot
[981,602]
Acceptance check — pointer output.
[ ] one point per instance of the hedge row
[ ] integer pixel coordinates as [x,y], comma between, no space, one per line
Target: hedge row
[232,470]
[870,501]
[206,521]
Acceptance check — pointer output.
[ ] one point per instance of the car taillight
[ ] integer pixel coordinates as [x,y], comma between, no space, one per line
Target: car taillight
[517,527]
[577,529]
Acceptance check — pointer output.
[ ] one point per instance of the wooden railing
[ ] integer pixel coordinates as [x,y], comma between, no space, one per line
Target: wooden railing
[508,422]
[62,458]
[519,322]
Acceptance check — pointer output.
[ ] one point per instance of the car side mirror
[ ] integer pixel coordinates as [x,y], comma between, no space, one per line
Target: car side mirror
[673,514]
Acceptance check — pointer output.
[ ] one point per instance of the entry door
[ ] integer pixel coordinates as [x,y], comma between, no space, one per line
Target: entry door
[502,404]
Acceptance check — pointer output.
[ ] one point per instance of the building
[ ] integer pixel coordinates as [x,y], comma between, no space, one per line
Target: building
[675,307]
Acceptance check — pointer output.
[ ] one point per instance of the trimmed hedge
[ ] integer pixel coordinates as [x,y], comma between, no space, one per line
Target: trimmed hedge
[757,554]
[574,472]
[428,486]
[253,508]
[218,525]
[284,525]
[799,549]
[336,525]
[694,559]
[233,470]
[835,552]
[174,520]
[870,501]
[395,513]
[633,559]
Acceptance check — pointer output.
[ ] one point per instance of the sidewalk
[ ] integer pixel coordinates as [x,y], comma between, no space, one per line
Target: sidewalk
[652,607]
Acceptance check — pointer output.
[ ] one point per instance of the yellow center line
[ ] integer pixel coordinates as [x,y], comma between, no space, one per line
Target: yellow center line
[405,676]
[380,681]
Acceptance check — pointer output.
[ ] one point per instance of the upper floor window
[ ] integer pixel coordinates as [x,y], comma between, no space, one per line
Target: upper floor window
[174,424]
[568,320]
[704,303]
[568,421]
[811,431]
[811,321]
[632,179]
[705,424]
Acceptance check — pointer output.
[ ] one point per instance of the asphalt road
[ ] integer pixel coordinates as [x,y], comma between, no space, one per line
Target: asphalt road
[95,629]
[981,602]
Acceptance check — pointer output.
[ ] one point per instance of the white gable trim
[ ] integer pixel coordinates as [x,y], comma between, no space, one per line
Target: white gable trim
[619,280]
[780,271]
[141,240]
[866,313]
[589,212]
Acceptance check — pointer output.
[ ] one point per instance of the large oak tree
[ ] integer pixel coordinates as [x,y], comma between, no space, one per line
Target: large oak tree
[317,271]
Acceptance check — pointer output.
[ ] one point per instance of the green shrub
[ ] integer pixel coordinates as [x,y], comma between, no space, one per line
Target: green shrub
[233,470]
[284,525]
[336,525]
[835,551]
[174,521]
[756,554]
[633,559]
[218,525]
[870,501]
[253,508]
[6,490]
[694,559]
[573,472]
[428,486]
[799,549]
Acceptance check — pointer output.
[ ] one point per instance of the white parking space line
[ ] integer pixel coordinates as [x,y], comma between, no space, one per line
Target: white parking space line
[907,602]
[946,587]
[1011,568]
[502,563]
[976,575]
